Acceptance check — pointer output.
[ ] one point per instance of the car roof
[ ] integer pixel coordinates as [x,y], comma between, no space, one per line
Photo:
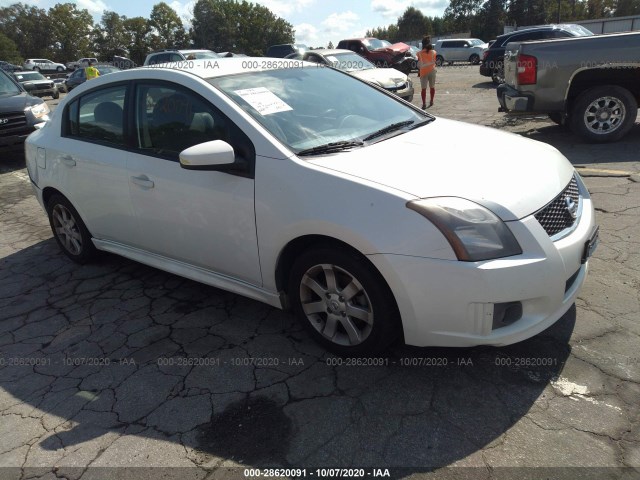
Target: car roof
[560,26]
[330,51]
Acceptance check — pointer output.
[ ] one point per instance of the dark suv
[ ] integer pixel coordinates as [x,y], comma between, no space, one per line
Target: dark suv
[281,51]
[19,113]
[493,58]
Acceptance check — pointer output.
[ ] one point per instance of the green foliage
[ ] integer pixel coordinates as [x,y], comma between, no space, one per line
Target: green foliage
[168,31]
[330,46]
[110,37]
[71,28]
[138,32]
[9,50]
[627,7]
[413,25]
[240,27]
[28,27]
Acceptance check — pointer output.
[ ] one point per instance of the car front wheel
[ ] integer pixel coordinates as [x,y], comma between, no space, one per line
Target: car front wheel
[60,69]
[344,302]
[604,114]
[56,95]
[474,59]
[69,230]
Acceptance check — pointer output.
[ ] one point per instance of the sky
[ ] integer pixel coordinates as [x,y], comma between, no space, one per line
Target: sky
[316,22]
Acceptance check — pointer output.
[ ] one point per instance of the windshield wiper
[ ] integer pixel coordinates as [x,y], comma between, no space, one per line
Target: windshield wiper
[391,128]
[331,147]
[424,122]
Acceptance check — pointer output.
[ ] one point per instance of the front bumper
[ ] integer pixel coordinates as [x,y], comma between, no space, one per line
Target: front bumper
[405,93]
[13,142]
[452,304]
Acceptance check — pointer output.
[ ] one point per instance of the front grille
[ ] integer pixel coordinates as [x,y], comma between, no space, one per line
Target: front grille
[556,216]
[10,122]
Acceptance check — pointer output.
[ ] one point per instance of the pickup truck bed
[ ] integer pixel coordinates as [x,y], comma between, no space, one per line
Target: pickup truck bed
[591,84]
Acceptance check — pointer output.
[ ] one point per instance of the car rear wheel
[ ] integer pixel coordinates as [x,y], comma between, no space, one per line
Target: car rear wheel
[439,60]
[37,69]
[343,301]
[60,69]
[56,95]
[604,114]
[474,59]
[69,230]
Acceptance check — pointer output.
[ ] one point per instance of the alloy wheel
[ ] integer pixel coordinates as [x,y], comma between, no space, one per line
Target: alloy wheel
[66,229]
[604,115]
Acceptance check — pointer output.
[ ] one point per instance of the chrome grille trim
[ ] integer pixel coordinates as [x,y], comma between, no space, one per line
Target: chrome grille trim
[555,217]
[13,121]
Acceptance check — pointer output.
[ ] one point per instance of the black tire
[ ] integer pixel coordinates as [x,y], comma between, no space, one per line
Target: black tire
[69,230]
[60,69]
[474,59]
[56,95]
[604,114]
[439,60]
[330,310]
[36,69]
[497,76]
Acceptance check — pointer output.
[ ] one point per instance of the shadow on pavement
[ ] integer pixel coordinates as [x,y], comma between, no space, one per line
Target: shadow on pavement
[117,349]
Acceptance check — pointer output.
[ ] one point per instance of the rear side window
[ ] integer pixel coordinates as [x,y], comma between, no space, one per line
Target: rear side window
[98,116]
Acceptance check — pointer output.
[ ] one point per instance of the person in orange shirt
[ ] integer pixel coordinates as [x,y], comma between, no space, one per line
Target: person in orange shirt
[427,71]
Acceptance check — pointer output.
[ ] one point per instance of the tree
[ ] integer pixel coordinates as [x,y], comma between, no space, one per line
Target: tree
[241,27]
[71,30]
[413,25]
[110,37]
[330,46]
[168,31]
[137,31]
[28,27]
[460,13]
[8,50]
[627,7]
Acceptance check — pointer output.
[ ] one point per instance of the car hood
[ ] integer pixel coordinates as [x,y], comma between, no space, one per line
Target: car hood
[16,103]
[395,48]
[385,77]
[445,158]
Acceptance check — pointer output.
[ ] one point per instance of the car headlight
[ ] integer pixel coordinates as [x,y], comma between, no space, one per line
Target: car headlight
[474,232]
[39,110]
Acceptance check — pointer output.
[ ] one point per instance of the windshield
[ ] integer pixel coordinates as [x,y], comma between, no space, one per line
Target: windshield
[7,87]
[579,30]
[312,107]
[476,41]
[374,43]
[105,70]
[349,62]
[29,76]
[200,55]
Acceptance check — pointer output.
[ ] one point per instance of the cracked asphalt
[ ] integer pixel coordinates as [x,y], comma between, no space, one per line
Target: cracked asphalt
[114,369]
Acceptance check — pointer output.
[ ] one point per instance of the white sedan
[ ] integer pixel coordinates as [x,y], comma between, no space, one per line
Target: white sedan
[307,188]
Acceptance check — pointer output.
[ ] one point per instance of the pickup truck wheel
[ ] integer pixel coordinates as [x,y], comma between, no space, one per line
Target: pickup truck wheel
[498,73]
[604,114]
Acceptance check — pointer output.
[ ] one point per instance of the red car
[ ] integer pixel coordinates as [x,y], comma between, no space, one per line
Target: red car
[381,53]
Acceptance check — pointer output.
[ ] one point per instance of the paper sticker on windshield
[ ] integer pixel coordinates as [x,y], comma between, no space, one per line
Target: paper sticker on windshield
[263,100]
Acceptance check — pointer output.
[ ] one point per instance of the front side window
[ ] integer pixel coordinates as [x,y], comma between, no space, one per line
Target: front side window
[98,116]
[170,119]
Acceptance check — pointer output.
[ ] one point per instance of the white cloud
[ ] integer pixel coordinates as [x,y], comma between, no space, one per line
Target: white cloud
[95,7]
[307,34]
[340,22]
[282,8]
[184,10]
[392,9]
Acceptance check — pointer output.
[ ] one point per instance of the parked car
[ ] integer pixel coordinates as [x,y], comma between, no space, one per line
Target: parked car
[174,55]
[576,81]
[397,56]
[452,50]
[60,84]
[81,63]
[493,58]
[305,187]
[19,113]
[123,63]
[79,76]
[43,65]
[9,67]
[281,51]
[37,84]
[391,80]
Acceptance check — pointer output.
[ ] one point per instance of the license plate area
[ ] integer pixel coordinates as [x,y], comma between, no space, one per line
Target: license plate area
[591,244]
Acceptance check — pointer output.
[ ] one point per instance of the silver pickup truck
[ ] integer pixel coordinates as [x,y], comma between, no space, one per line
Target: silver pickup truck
[591,84]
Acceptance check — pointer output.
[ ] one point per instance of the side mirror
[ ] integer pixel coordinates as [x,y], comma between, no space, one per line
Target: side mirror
[215,155]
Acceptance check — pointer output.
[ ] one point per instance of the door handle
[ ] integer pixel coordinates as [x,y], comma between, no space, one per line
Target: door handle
[68,161]
[143,181]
